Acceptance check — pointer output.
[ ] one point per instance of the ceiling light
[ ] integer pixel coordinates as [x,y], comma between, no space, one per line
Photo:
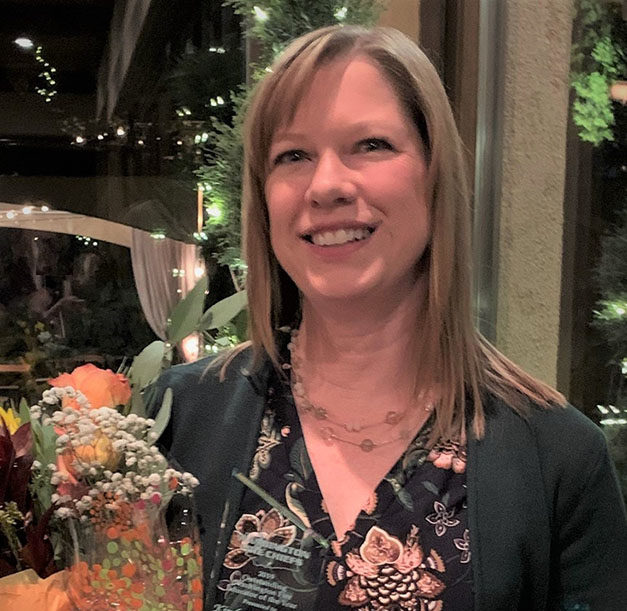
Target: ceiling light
[24,43]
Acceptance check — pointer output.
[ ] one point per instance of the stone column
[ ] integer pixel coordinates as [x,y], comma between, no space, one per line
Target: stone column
[530,219]
[404,15]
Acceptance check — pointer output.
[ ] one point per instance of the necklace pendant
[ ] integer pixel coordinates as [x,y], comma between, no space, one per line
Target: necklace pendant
[367,445]
[327,435]
[320,413]
[392,418]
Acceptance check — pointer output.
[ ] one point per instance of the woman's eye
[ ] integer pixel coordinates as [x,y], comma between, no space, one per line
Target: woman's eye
[289,157]
[374,144]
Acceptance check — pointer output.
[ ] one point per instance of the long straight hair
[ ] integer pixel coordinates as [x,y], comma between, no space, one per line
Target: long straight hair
[453,356]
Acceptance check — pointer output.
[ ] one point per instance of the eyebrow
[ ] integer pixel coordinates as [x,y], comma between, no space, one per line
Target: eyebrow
[359,126]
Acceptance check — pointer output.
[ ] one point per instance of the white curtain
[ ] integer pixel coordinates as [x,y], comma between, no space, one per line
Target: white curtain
[165,271]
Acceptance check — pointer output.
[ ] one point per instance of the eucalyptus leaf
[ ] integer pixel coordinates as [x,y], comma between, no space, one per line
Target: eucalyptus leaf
[137,403]
[147,365]
[219,314]
[185,317]
[163,416]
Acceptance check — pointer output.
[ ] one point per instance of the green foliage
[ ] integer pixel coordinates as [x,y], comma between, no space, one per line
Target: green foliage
[611,274]
[597,60]
[274,23]
[221,178]
[187,313]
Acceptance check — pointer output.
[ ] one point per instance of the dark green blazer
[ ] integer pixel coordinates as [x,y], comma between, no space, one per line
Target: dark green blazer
[547,522]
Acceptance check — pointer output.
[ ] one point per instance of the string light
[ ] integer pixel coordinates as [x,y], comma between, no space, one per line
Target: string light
[340,14]
[48,90]
[120,131]
[260,14]
[157,235]
[214,212]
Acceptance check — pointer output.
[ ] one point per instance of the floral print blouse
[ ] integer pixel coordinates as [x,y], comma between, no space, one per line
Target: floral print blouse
[409,549]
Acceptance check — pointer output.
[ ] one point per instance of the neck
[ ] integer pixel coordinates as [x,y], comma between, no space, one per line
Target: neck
[363,346]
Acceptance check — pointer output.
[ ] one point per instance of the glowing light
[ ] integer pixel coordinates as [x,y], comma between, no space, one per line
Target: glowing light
[24,42]
[613,421]
[340,14]
[120,131]
[79,140]
[199,271]
[45,209]
[157,235]
[260,14]
[179,142]
[204,137]
[100,137]
[27,210]
[190,347]
[11,214]
[214,212]
[603,409]
[220,100]
[140,142]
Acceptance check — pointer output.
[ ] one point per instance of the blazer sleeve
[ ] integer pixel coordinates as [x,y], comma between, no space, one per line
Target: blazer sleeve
[590,529]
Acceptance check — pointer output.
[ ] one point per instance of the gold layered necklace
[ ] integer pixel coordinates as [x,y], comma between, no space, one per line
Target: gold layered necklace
[328,425]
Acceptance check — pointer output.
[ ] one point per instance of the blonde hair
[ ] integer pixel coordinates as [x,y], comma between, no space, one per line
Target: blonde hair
[454,355]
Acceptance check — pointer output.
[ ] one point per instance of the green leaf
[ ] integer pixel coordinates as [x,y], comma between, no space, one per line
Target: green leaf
[24,411]
[223,312]
[44,439]
[163,416]
[147,365]
[186,315]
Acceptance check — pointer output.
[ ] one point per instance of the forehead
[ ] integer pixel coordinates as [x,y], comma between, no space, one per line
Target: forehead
[346,91]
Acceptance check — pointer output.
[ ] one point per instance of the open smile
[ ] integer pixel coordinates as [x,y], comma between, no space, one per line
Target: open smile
[339,237]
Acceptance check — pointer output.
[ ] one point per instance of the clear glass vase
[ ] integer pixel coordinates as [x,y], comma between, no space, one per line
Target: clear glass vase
[145,558]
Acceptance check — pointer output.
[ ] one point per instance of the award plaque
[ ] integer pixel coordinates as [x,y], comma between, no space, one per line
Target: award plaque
[273,562]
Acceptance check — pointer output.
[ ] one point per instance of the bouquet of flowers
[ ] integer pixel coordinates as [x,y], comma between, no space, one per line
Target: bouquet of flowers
[83,488]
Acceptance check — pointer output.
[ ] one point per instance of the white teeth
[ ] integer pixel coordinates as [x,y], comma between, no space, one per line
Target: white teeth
[341,236]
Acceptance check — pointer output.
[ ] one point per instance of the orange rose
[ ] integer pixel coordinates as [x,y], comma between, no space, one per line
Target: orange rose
[101,387]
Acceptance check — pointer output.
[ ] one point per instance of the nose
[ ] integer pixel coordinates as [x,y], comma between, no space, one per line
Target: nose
[332,183]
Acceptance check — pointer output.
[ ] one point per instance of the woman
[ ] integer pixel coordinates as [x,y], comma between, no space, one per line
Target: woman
[369,449]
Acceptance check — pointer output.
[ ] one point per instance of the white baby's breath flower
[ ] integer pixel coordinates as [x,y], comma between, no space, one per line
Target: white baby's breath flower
[36,464]
[63,512]
[63,439]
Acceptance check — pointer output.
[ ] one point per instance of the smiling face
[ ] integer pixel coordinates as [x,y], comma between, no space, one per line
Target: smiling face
[345,188]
